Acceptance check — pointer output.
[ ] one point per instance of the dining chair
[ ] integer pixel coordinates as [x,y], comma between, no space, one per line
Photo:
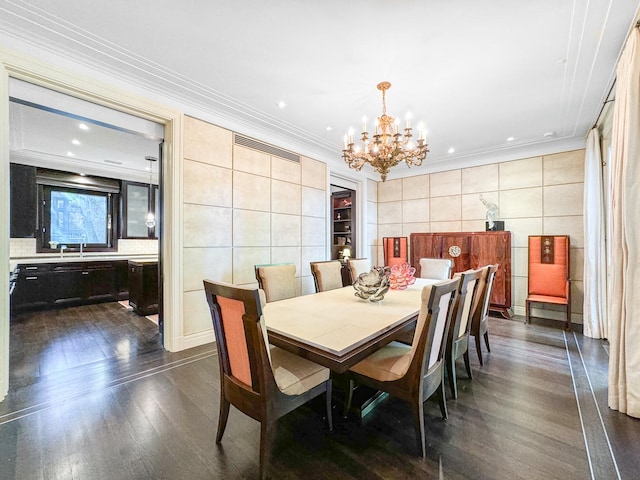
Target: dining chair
[436,268]
[415,372]
[278,280]
[549,270]
[327,275]
[358,266]
[262,382]
[480,316]
[458,337]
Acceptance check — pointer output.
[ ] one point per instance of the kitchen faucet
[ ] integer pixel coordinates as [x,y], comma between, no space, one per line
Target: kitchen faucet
[62,249]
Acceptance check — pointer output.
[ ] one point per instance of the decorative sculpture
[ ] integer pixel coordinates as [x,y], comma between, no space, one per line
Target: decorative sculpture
[492,212]
[372,285]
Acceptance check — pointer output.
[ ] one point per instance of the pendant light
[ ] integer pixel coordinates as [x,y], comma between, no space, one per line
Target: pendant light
[151,218]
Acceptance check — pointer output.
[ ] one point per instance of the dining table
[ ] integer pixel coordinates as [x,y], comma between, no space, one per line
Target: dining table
[337,329]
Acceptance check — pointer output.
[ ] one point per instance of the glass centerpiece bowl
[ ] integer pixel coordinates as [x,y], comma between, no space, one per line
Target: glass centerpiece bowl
[402,276]
[372,285]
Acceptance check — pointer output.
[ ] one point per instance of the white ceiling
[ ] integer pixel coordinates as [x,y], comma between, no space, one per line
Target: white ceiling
[475,72]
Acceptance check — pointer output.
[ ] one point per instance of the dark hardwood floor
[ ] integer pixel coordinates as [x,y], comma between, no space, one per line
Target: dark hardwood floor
[87,402]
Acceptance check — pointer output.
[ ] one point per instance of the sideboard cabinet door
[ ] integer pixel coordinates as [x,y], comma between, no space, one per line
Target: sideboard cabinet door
[475,249]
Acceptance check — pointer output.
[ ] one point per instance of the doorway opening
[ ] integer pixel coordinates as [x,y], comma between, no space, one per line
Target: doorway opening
[79,255]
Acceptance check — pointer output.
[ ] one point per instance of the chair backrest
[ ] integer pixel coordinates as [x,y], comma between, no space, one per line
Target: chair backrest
[358,266]
[395,250]
[327,275]
[277,280]
[549,265]
[436,310]
[240,331]
[436,268]
[482,299]
[462,312]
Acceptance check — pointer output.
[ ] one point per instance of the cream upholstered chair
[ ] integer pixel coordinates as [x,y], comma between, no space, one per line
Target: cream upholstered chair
[327,275]
[414,372]
[263,382]
[358,266]
[480,316]
[277,280]
[458,337]
[436,268]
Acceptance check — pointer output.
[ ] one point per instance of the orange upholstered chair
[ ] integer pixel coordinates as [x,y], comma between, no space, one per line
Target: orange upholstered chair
[549,269]
[395,251]
[263,382]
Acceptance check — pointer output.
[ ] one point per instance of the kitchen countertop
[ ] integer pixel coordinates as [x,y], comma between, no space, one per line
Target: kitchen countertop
[74,257]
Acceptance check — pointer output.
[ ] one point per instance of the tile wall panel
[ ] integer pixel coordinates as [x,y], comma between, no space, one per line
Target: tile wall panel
[241,208]
[445,183]
[207,143]
[251,161]
[521,173]
[538,195]
[251,192]
[286,197]
[485,178]
[415,187]
[286,170]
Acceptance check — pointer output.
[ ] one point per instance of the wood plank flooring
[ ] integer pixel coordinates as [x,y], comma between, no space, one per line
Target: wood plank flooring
[121,408]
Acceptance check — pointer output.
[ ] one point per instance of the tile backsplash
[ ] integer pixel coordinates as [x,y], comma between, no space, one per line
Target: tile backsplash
[26,247]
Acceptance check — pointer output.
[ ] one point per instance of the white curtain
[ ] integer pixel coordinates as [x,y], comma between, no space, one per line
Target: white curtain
[595,271]
[624,267]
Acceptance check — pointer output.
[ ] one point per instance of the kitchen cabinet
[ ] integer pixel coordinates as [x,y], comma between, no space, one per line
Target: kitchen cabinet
[143,287]
[470,250]
[23,201]
[55,284]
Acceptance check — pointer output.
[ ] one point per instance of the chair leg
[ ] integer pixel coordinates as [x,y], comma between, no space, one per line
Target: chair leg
[328,405]
[266,435]
[451,367]
[568,325]
[478,349]
[418,414]
[526,312]
[486,341]
[223,416]
[442,401]
[348,399]
[467,365]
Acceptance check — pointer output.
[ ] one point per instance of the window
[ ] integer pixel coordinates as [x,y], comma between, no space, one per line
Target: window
[73,213]
[138,200]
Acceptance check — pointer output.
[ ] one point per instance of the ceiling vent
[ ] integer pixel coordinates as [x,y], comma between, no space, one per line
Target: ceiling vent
[265,148]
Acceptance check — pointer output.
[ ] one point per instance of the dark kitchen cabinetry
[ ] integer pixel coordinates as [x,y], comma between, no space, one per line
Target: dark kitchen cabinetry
[143,287]
[49,284]
[23,201]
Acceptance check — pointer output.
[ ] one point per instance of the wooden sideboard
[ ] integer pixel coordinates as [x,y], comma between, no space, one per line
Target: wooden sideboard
[474,249]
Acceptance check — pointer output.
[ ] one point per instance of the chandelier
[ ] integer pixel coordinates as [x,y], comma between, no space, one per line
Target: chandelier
[387,147]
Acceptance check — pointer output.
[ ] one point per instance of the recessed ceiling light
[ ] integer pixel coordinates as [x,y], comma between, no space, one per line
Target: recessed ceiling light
[83,126]
[75,141]
[451,150]
[548,134]
[329,128]
[70,154]
[510,139]
[281,104]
